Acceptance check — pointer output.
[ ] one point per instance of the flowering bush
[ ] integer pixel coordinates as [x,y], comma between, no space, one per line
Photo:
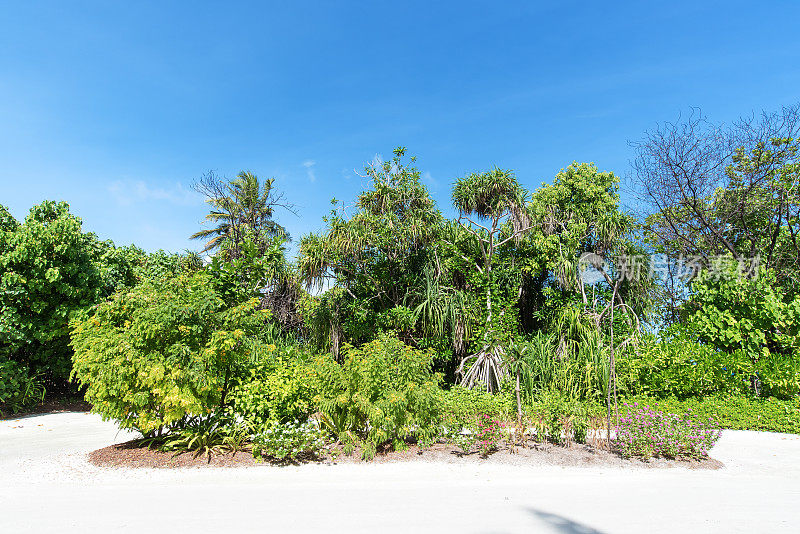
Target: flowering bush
[490,432]
[461,408]
[284,441]
[647,433]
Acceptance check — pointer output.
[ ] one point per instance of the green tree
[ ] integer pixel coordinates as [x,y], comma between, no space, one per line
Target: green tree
[578,226]
[51,272]
[375,256]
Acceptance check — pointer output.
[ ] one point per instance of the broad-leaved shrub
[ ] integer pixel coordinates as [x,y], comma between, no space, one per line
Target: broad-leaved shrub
[461,408]
[280,387]
[678,366]
[164,352]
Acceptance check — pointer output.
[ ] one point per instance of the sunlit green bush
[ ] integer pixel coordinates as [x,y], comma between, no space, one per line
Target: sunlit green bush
[164,352]
[681,367]
[461,408]
[383,392]
[280,387]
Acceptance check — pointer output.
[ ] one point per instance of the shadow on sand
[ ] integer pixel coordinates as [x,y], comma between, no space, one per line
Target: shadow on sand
[559,523]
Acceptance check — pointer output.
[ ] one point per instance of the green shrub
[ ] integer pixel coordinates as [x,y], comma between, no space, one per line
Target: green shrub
[281,387]
[779,374]
[751,317]
[680,367]
[734,412]
[383,392]
[164,352]
[562,419]
[290,440]
[18,389]
[460,408]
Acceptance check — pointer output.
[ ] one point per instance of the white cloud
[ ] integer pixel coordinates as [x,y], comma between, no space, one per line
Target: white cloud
[128,192]
[309,165]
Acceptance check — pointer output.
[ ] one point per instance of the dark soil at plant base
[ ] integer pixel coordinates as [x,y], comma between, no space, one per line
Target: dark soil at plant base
[132,455]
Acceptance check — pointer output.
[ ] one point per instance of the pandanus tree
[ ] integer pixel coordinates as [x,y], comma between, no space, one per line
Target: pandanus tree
[492,209]
[372,255]
[444,307]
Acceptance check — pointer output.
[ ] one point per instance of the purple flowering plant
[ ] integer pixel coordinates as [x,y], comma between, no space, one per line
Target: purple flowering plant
[647,433]
[490,432]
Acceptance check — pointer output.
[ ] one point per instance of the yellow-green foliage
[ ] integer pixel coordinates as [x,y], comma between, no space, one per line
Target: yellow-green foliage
[383,392]
[279,389]
[162,352]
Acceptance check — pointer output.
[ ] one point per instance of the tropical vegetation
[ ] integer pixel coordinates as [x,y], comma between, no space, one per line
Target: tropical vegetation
[544,312]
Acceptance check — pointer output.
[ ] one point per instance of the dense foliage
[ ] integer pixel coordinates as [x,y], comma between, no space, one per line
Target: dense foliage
[51,272]
[279,388]
[383,392]
[536,313]
[164,352]
[374,257]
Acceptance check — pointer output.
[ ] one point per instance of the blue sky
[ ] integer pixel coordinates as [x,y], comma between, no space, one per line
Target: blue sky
[116,107]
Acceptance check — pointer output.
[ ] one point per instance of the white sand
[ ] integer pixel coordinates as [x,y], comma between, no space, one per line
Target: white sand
[46,485]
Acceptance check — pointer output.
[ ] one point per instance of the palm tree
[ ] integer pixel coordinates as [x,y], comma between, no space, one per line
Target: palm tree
[496,198]
[240,208]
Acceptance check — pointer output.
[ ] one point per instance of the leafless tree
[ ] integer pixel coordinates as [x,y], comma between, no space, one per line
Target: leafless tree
[710,189]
